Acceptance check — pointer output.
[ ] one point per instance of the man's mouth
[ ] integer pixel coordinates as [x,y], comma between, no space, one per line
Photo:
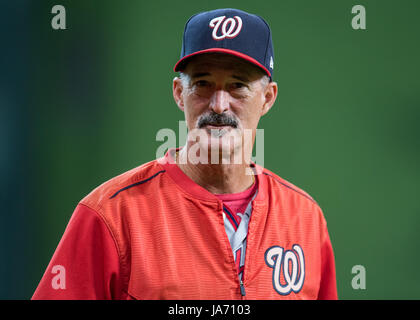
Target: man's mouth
[217,126]
[217,130]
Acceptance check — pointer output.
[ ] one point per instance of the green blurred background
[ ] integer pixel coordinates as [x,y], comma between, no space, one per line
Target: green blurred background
[81,105]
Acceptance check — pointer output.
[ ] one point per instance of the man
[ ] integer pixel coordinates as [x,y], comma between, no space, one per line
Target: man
[202,222]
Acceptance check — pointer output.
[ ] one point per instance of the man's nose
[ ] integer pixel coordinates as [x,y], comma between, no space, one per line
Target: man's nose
[219,101]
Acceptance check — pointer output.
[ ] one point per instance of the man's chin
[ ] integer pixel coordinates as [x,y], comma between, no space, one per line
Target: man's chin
[223,152]
[214,151]
[216,144]
[226,140]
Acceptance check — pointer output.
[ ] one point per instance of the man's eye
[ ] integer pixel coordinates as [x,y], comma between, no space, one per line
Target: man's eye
[202,83]
[238,85]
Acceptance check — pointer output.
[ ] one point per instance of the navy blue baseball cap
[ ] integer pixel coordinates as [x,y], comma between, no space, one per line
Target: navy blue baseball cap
[229,31]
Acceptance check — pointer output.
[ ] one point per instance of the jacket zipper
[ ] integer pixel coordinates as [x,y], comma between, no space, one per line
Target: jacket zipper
[241,284]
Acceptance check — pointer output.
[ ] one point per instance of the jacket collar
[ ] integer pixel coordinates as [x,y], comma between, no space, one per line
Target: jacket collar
[189,186]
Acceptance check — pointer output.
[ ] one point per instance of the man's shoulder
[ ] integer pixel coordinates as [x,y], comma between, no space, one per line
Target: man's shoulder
[288,188]
[121,185]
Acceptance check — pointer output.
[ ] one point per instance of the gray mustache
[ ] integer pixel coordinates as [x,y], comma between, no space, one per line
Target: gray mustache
[217,119]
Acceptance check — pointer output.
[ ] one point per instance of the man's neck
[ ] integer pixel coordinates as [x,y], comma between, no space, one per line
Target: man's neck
[216,178]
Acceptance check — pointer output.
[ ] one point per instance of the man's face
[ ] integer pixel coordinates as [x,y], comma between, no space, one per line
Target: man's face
[223,96]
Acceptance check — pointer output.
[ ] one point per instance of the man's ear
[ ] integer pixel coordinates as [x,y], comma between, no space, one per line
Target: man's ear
[177,89]
[270,96]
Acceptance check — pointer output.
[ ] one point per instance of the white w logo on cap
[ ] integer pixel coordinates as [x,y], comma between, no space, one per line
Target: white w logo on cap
[225,32]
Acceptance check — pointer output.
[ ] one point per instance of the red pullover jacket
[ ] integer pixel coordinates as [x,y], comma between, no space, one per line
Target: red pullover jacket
[153,233]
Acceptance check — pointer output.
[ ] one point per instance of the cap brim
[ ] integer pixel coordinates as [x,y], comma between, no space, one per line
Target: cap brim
[179,64]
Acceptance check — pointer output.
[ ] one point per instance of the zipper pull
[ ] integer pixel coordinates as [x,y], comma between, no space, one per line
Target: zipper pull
[243,293]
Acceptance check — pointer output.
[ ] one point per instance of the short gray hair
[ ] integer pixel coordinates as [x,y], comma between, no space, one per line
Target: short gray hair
[185,78]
